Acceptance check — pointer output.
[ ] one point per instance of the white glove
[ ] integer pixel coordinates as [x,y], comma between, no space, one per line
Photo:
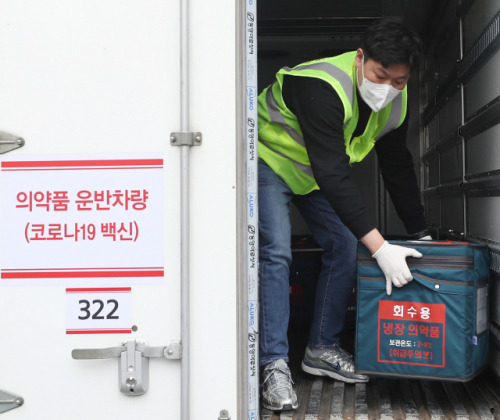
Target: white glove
[392,261]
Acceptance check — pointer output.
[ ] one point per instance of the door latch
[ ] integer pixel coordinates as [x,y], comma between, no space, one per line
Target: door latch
[9,401]
[133,365]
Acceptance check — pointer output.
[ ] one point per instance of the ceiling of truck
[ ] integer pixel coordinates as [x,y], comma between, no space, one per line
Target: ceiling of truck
[293,31]
[335,17]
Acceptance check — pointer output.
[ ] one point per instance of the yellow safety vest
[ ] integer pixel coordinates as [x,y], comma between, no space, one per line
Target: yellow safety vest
[281,144]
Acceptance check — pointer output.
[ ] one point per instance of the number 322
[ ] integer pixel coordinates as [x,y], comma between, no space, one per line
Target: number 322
[100,306]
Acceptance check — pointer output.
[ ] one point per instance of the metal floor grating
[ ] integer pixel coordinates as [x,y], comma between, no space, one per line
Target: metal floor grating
[322,398]
[327,399]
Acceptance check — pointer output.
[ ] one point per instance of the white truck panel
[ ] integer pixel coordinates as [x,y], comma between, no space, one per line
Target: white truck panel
[213,210]
[103,78]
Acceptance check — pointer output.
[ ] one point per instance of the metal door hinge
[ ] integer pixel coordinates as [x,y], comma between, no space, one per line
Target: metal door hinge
[9,401]
[185,138]
[134,358]
[10,142]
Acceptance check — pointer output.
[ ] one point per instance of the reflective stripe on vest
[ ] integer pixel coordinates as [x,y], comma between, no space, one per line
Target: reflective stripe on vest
[394,116]
[335,72]
[277,117]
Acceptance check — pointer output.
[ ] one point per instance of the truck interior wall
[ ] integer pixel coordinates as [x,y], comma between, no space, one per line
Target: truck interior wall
[476,19]
[483,152]
[440,104]
[459,139]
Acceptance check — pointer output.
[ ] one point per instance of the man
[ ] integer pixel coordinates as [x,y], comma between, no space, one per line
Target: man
[315,121]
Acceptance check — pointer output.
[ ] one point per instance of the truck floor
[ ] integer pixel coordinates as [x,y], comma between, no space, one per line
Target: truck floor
[327,399]
[383,398]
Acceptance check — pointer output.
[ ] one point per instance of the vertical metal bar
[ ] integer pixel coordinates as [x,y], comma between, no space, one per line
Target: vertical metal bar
[462,122]
[360,401]
[409,406]
[185,216]
[337,406]
[433,399]
[456,401]
[314,399]
[252,211]
[185,280]
[386,411]
[241,214]
[381,207]
[439,158]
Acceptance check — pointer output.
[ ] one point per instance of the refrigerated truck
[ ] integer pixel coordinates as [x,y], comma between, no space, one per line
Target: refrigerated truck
[129,205]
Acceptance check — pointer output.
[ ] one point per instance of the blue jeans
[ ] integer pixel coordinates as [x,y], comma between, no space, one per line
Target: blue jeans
[338,266]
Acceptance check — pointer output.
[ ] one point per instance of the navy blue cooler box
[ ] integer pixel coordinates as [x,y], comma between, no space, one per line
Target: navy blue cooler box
[436,326]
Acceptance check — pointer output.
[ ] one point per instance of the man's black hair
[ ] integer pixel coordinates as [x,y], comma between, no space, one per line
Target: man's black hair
[391,43]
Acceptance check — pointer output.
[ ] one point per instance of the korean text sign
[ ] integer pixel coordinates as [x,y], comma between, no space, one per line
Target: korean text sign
[411,333]
[70,218]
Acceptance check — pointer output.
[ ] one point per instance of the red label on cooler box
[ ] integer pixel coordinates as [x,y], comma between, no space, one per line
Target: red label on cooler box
[411,333]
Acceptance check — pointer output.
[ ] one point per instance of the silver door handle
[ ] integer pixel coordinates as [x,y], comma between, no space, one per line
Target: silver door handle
[134,358]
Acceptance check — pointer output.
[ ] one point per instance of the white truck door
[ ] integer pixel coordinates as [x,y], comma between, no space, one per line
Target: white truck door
[90,259]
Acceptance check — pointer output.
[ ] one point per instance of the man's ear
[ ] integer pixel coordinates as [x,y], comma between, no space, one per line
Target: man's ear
[359,57]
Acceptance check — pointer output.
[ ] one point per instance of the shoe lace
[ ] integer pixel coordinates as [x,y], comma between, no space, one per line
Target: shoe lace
[278,378]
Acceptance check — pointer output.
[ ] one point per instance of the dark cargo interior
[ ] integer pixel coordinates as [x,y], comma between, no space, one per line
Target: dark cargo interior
[454,103]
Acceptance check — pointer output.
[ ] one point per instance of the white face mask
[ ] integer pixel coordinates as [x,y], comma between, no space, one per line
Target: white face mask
[376,95]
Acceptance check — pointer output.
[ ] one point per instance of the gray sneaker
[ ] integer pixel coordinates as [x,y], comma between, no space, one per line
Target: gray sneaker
[335,363]
[277,390]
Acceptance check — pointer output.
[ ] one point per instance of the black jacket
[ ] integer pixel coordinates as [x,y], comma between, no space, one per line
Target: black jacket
[320,114]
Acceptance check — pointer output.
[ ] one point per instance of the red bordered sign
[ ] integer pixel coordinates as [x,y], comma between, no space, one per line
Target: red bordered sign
[99,310]
[411,333]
